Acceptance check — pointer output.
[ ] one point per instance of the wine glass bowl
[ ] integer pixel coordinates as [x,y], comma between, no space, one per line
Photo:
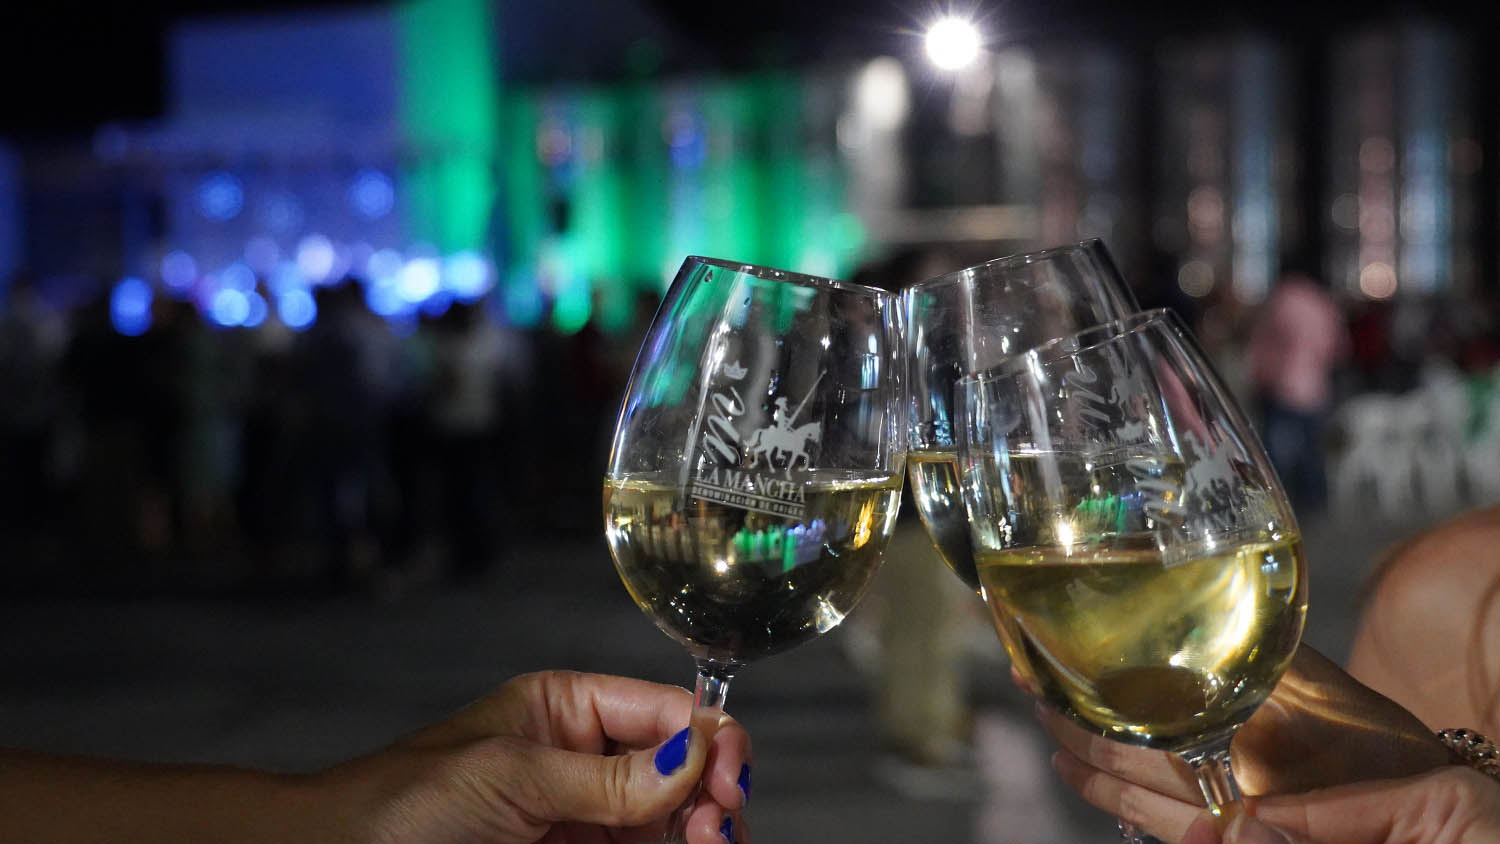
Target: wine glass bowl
[756,467]
[971,320]
[1127,525]
[732,584]
[755,474]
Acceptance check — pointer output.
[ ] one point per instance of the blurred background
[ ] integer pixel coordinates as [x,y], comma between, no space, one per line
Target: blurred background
[315,317]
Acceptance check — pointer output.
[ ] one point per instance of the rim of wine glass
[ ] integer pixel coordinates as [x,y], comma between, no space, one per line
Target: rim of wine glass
[1097,336]
[1092,245]
[789,276]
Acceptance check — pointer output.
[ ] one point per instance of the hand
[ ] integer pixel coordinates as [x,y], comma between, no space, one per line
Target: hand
[560,758]
[1453,804]
[1319,728]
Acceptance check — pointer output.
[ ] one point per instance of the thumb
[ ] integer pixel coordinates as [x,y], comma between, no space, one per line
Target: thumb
[1244,830]
[615,791]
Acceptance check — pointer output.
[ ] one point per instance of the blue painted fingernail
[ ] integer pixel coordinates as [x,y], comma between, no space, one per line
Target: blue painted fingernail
[745,782]
[672,754]
[726,829]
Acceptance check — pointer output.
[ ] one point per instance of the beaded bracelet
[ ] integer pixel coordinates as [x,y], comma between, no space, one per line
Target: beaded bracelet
[1473,750]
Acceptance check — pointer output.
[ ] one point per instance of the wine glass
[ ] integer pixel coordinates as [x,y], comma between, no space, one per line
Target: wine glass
[1128,525]
[969,321]
[755,474]
[974,319]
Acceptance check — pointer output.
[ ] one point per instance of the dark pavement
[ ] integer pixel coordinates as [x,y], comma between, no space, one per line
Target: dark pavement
[296,682]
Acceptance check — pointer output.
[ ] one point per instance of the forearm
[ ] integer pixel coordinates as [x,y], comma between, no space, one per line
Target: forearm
[47,799]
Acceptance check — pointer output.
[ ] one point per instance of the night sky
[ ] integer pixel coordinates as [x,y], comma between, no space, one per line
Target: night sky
[69,66]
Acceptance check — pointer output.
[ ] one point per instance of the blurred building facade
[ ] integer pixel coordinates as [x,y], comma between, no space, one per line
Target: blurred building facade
[368,178]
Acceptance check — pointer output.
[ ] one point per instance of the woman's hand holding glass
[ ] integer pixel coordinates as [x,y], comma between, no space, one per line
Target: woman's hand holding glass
[755,474]
[555,756]
[563,758]
[1126,522]
[1319,729]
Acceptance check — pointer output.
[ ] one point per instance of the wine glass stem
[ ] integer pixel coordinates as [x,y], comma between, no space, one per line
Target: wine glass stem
[712,689]
[708,704]
[1211,765]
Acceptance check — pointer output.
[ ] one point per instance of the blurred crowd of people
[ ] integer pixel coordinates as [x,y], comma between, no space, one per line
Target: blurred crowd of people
[1309,364]
[365,452]
[358,453]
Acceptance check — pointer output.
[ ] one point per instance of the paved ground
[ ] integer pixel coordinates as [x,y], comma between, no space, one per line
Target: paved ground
[298,682]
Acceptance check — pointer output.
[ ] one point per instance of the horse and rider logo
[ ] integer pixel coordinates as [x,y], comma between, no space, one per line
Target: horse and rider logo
[775,449]
[783,437]
[783,444]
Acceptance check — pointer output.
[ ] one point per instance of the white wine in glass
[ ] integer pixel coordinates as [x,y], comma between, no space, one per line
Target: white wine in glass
[1128,527]
[972,320]
[732,584]
[756,468]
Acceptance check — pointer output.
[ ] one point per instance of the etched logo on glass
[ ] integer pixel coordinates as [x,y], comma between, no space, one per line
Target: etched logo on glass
[1193,487]
[753,470]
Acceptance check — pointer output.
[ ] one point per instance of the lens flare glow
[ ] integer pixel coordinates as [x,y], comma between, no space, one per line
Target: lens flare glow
[178,270]
[383,266]
[229,307]
[296,308]
[220,196]
[315,257]
[257,312]
[466,275]
[372,194]
[238,276]
[384,300]
[952,43]
[286,277]
[419,279]
[130,307]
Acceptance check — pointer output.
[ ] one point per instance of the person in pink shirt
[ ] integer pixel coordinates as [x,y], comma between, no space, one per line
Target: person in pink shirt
[1298,339]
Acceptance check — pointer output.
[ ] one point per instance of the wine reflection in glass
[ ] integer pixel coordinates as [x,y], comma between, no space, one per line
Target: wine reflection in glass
[1128,527]
[755,473]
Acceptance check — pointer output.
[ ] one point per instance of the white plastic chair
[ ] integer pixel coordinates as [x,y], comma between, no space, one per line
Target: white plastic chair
[1377,457]
[1438,420]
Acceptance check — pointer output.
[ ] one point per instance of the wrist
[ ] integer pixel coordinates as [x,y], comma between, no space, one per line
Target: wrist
[370,800]
[255,807]
[1472,749]
[329,806]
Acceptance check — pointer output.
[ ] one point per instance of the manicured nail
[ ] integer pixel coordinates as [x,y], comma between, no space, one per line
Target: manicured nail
[726,829]
[745,782]
[672,754]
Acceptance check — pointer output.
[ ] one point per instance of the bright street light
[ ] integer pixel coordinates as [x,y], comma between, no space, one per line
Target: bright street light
[952,43]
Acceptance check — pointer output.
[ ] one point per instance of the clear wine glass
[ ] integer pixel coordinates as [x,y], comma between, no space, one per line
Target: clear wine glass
[756,468]
[969,321]
[1127,524]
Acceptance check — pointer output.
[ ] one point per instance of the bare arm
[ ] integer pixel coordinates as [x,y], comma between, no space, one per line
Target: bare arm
[1429,636]
[46,798]
[553,756]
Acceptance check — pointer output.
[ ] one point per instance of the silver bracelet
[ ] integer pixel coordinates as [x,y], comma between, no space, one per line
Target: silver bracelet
[1473,750]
